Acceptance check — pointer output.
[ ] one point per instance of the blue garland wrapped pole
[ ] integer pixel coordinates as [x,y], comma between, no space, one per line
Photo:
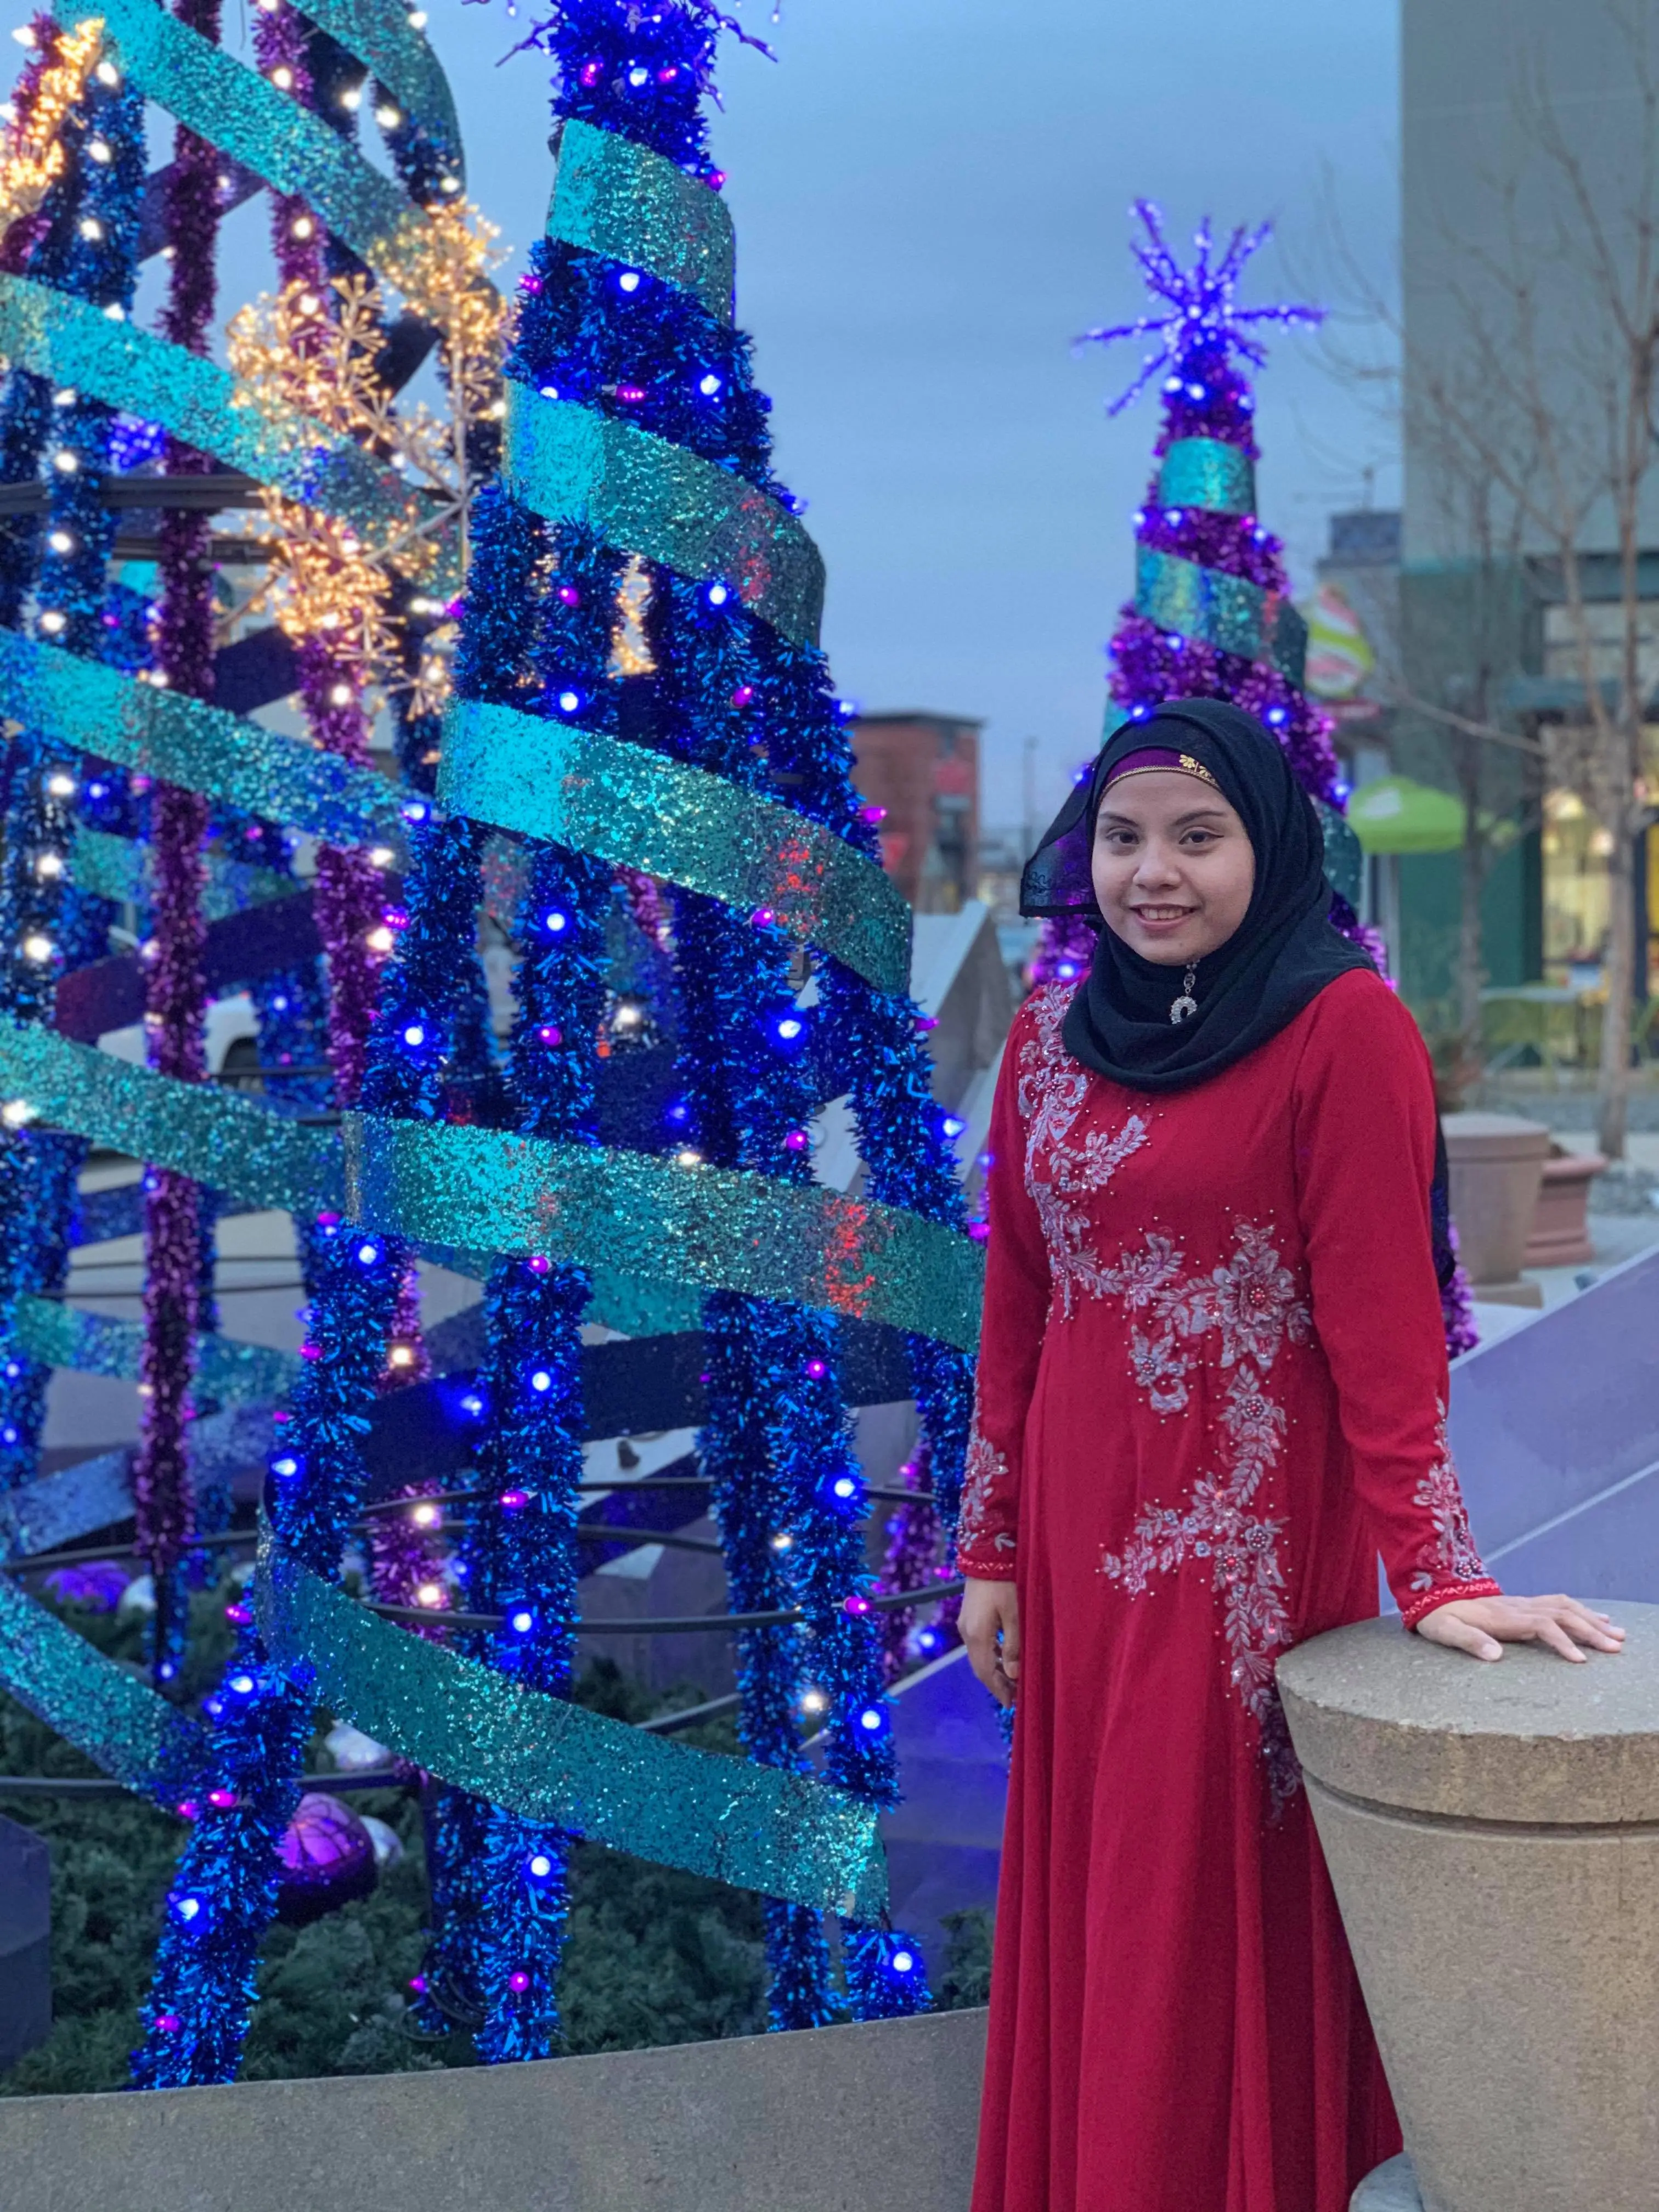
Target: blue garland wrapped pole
[84,241]
[195,2019]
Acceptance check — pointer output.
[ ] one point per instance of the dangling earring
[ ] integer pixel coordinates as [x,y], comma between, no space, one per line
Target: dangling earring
[1186,1005]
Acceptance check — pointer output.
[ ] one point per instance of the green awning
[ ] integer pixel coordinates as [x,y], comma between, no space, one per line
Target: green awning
[1395,815]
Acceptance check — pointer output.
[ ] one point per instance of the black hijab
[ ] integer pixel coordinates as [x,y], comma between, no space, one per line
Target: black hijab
[1283,954]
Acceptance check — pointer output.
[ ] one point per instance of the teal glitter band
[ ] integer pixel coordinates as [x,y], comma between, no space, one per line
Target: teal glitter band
[626,804]
[1209,473]
[234,109]
[53,336]
[484,1190]
[560,1764]
[180,740]
[644,495]
[121,1724]
[97,1344]
[613,198]
[226,1142]
[1345,858]
[380,33]
[115,868]
[489,1190]
[1203,603]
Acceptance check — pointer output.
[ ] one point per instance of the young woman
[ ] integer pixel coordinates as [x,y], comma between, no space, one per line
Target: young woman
[1211,1388]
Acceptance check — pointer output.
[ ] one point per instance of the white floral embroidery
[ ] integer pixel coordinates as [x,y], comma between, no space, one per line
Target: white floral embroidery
[1448,1554]
[983,1471]
[1053,1091]
[1250,1303]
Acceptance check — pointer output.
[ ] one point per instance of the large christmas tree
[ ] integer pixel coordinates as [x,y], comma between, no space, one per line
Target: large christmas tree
[643,776]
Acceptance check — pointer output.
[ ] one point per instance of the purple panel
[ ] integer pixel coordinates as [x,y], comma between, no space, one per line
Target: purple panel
[1552,1416]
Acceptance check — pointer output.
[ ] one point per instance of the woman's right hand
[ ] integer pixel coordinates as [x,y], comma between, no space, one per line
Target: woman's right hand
[989,1625]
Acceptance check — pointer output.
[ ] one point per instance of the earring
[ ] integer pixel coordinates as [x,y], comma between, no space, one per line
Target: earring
[1186,1005]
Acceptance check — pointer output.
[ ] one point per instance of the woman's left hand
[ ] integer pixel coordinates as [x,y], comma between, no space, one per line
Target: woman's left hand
[1483,1625]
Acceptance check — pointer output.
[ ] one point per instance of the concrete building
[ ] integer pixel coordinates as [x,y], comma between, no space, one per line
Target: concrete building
[923,770]
[1509,109]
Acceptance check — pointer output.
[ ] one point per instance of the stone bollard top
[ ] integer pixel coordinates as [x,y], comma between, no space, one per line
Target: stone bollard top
[1389,1717]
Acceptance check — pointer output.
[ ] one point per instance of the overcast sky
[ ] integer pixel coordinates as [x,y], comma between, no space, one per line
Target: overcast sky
[932,198]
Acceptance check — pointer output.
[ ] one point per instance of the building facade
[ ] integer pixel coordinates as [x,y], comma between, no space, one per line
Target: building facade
[923,770]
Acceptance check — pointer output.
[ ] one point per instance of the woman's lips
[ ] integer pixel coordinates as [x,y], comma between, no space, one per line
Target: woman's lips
[1163,917]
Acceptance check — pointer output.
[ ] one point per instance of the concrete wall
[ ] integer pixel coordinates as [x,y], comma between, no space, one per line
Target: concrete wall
[834,2121]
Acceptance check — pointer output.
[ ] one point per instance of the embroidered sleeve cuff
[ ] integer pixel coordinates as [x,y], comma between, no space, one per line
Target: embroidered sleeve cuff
[990,1566]
[1431,1600]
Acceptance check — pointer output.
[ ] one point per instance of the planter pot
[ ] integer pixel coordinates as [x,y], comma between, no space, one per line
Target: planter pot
[1560,1224]
[1496,1164]
[1492,1832]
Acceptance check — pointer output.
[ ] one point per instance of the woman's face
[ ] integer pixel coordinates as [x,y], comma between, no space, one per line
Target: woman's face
[1173,867]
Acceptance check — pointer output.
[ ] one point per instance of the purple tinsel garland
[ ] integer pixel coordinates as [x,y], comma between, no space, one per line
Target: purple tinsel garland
[174,989]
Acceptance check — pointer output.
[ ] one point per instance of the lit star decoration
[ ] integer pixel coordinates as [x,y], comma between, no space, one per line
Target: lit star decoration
[32,158]
[1201,313]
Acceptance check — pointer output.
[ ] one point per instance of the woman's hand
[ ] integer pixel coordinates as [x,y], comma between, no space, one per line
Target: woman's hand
[989,1625]
[1483,1625]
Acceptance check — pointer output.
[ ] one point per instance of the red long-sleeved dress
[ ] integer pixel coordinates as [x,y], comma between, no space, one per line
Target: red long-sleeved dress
[1211,1388]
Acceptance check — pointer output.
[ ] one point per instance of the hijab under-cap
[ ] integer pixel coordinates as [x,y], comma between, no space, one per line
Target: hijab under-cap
[1282,954]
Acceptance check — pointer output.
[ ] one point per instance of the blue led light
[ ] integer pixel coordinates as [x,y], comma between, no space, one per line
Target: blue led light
[789,1029]
[541,1380]
[368,1253]
[554,920]
[414,1034]
[539,1866]
[521,1622]
[285,1467]
[953,1125]
[628,280]
[709,385]
[903,1962]
[243,1684]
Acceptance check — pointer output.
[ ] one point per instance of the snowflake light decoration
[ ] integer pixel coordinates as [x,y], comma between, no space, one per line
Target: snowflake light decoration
[1198,304]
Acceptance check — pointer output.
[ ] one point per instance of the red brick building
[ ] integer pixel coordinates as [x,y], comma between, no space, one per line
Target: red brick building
[924,769]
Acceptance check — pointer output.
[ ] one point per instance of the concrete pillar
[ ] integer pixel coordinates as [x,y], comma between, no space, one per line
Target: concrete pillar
[1493,1832]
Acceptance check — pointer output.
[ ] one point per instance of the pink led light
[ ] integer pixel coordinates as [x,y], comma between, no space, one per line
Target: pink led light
[591,72]
[539,1265]
[630,394]
[167,2023]
[514,1499]
[816,1370]
[310,1351]
[873,813]
[796,1141]
[979,1231]
[187,1809]
[519,1982]
[569,596]
[743,696]
[856,1605]
[764,917]
[223,1799]
[239,1614]
[417,1982]
[551,1033]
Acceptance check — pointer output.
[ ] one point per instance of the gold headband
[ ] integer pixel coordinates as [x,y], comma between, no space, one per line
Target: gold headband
[1183,764]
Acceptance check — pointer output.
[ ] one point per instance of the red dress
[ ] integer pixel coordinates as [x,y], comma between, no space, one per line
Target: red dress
[1212,1388]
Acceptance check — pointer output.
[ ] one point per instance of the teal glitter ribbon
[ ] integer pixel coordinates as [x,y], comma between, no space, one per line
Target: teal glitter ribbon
[613,198]
[234,108]
[121,1724]
[557,1763]
[485,1190]
[97,1344]
[628,806]
[226,1142]
[1207,472]
[1203,603]
[72,343]
[117,868]
[380,33]
[163,734]
[1345,857]
[724,1229]
[644,495]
